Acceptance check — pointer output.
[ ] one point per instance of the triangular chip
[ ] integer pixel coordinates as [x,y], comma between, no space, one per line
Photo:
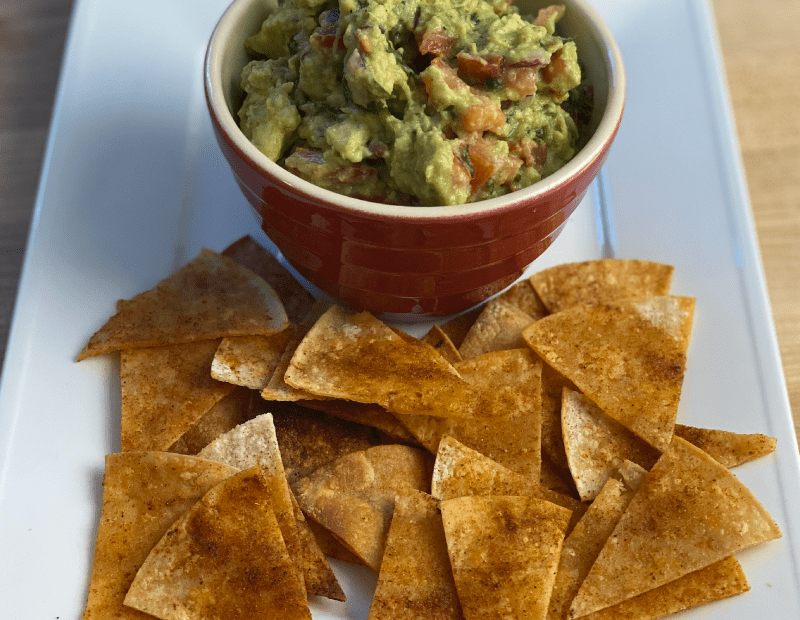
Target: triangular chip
[523,296]
[353,497]
[255,443]
[553,384]
[309,439]
[584,543]
[357,357]
[600,281]
[720,580]
[225,415]
[416,580]
[690,512]
[249,360]
[506,425]
[729,449]
[499,547]
[457,327]
[629,357]
[596,445]
[498,327]
[206,565]
[440,341]
[211,297]
[143,494]
[460,471]
[165,391]
[368,414]
[297,300]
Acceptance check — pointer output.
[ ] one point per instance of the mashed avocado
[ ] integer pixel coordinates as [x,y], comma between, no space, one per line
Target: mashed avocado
[420,102]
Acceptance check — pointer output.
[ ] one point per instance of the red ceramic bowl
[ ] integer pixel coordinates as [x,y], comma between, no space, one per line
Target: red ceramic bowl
[402,260]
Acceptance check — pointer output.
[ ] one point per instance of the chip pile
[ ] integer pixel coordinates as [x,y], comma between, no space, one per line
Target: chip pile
[521,461]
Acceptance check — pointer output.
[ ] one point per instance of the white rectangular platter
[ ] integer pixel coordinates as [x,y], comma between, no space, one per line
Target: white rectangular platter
[134,185]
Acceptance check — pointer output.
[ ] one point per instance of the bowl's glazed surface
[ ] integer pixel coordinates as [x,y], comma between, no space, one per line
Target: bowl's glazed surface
[406,260]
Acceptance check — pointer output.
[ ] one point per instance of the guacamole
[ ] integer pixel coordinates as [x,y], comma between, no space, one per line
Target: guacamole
[417,102]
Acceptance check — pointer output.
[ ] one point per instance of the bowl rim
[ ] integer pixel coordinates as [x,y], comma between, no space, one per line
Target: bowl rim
[550,185]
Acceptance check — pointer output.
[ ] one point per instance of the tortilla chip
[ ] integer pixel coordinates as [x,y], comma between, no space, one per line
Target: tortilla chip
[143,494]
[628,357]
[498,327]
[460,471]
[689,513]
[499,546]
[596,445]
[584,543]
[506,425]
[600,281]
[727,448]
[204,567]
[523,296]
[557,478]
[357,357]
[211,297]
[329,545]
[457,327]
[165,391]
[440,341]
[720,580]
[416,580]
[249,361]
[353,497]
[248,253]
[309,439]
[368,414]
[255,444]
[553,384]
[225,415]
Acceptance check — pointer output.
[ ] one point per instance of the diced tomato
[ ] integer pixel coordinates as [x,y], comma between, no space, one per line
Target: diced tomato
[488,164]
[479,67]
[556,66]
[436,42]
[521,80]
[484,116]
[531,153]
[461,174]
[328,38]
[548,11]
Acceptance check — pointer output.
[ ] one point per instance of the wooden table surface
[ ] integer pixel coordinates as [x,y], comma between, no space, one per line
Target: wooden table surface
[762,59]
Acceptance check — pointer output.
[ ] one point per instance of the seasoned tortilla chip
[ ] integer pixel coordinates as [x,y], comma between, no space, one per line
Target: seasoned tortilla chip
[600,281]
[357,357]
[255,444]
[309,439]
[211,297]
[440,341]
[204,567]
[353,497]
[729,449]
[225,415]
[416,580]
[165,391]
[460,471]
[500,546]
[690,512]
[498,327]
[629,357]
[248,253]
[143,494]
[329,545]
[720,580]
[596,445]
[368,414]
[523,296]
[457,327]
[507,423]
[249,361]
[584,543]
[553,384]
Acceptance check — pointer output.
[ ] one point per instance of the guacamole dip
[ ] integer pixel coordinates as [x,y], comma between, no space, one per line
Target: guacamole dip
[417,102]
